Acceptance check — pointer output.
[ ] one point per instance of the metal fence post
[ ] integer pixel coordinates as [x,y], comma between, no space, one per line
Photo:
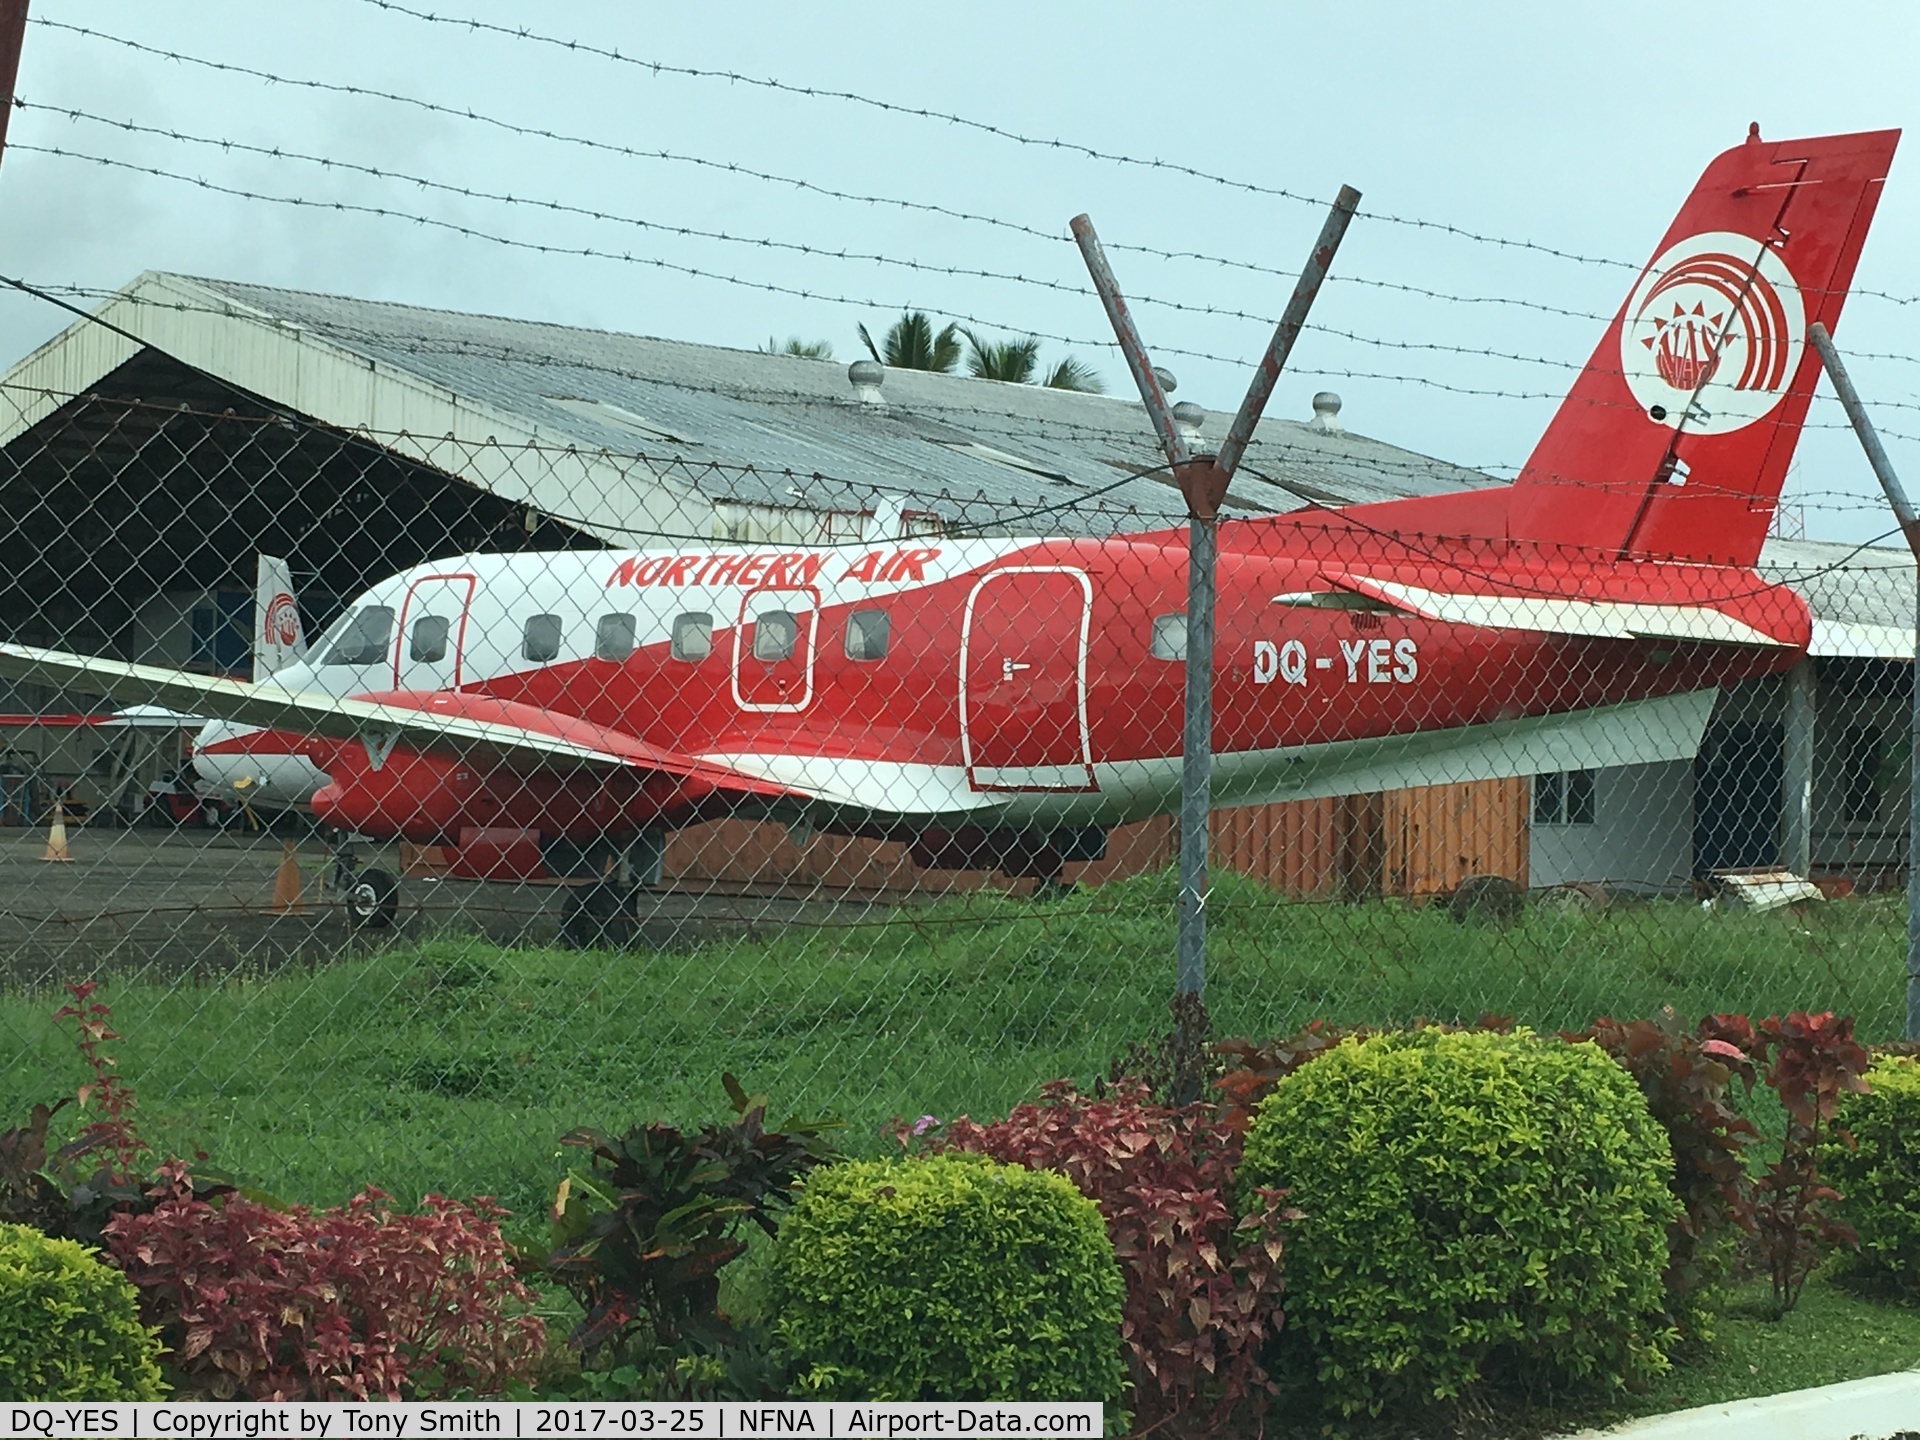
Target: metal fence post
[1910,527]
[1203,481]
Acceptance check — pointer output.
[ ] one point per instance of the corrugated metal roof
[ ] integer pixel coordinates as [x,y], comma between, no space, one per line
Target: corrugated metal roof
[793,419]
[1862,597]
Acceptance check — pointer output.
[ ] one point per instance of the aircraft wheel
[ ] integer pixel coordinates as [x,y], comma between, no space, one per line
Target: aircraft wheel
[373,899]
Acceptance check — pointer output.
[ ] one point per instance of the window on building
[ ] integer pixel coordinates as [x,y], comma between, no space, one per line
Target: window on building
[613,637]
[867,635]
[692,636]
[774,633]
[429,639]
[1860,795]
[1169,637]
[363,637]
[1565,797]
[540,641]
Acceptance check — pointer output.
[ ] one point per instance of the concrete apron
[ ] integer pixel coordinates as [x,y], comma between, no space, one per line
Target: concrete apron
[1875,1408]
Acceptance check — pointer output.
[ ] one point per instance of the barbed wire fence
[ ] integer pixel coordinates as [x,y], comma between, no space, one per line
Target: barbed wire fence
[751,905]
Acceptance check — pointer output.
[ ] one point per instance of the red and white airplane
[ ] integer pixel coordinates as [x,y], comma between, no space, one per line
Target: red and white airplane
[1000,703]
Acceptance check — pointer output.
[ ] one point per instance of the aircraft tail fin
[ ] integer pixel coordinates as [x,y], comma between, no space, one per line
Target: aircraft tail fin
[1675,439]
[278,639]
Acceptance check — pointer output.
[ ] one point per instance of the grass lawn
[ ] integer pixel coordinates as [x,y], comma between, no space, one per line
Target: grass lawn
[455,1065]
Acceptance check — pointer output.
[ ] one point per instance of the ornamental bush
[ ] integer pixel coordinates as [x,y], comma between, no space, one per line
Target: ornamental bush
[947,1278]
[352,1303]
[1204,1284]
[1878,1177]
[69,1326]
[1474,1207]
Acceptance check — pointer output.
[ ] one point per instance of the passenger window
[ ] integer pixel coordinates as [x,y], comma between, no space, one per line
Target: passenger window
[867,635]
[692,636]
[541,639]
[429,641]
[774,632]
[613,637]
[363,639]
[1169,637]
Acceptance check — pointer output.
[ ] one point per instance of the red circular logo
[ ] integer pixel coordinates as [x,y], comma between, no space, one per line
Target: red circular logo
[281,625]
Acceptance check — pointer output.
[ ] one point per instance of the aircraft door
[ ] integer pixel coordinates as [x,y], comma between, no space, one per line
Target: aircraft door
[1023,681]
[773,649]
[433,633]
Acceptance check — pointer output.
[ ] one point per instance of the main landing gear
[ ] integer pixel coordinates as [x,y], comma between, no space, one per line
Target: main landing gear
[600,904]
[370,898]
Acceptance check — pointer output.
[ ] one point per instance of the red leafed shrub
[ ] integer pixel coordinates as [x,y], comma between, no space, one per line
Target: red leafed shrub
[1809,1061]
[352,1303]
[1685,1076]
[1203,1284]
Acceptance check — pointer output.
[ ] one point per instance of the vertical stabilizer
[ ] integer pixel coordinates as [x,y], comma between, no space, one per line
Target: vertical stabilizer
[278,640]
[1675,439]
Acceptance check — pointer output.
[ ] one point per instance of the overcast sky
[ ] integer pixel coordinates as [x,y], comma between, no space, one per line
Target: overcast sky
[1578,127]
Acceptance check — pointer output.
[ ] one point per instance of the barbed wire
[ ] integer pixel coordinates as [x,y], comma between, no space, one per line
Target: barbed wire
[1056,237]
[724,237]
[999,132]
[1489,392]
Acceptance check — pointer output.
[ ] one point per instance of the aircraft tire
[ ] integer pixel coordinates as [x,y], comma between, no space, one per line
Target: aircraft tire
[372,900]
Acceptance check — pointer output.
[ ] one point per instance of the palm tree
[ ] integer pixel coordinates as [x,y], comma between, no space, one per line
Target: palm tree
[805,349]
[1018,360]
[1011,360]
[912,344]
[1071,374]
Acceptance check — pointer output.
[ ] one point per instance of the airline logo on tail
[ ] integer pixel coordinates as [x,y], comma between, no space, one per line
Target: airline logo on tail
[281,625]
[1713,333]
[277,638]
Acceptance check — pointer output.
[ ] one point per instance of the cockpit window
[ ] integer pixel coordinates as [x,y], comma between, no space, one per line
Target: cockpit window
[363,638]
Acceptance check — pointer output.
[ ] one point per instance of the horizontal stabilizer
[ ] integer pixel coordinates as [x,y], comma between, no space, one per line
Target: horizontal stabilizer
[1564,615]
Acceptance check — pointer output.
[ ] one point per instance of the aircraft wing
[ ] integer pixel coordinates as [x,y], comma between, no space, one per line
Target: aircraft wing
[519,737]
[1598,618]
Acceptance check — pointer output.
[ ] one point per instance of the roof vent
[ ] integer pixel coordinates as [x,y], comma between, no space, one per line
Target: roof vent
[1167,383]
[1326,413]
[867,377]
[1188,418]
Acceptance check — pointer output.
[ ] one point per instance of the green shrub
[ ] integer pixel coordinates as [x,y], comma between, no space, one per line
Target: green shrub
[1476,1207]
[69,1325]
[948,1278]
[1879,1177]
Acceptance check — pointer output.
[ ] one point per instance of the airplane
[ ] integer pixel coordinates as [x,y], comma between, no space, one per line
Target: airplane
[1000,703]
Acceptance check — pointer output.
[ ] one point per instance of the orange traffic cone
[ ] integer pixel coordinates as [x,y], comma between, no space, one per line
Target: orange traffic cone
[57,836]
[286,881]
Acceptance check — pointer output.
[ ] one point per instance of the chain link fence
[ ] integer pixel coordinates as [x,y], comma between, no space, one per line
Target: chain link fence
[857,791]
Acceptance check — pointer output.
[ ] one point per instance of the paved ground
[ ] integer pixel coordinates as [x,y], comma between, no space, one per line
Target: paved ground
[199,902]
